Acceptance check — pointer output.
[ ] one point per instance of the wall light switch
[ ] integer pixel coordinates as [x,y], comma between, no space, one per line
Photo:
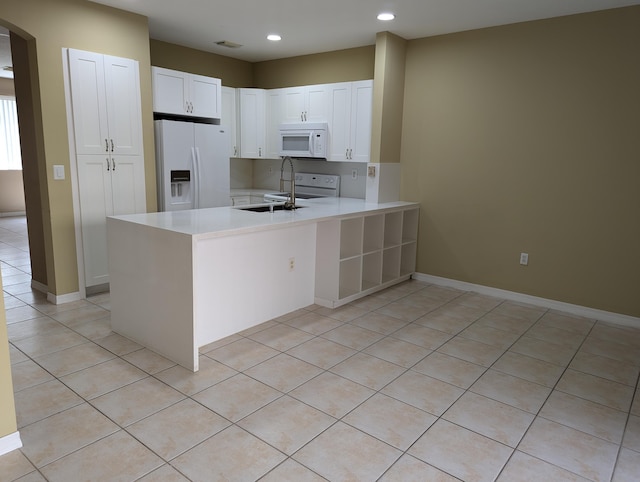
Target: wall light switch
[371,171]
[524,259]
[58,172]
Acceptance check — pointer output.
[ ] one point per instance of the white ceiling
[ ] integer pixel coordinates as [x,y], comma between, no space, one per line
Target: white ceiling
[308,26]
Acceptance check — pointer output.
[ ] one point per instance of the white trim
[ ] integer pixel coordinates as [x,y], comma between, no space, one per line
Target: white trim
[10,442]
[73,173]
[41,287]
[616,318]
[10,214]
[66,298]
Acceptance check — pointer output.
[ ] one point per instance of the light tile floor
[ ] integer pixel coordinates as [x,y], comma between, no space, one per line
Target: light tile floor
[417,382]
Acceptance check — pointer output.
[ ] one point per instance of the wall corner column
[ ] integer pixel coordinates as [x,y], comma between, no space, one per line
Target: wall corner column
[386,128]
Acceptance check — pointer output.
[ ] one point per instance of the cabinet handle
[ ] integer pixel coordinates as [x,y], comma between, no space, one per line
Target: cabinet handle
[114,164]
[191,107]
[107,163]
[350,153]
[301,116]
[106,145]
[260,151]
[305,115]
[111,145]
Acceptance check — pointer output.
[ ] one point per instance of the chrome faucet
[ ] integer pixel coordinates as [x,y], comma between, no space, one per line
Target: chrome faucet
[290,203]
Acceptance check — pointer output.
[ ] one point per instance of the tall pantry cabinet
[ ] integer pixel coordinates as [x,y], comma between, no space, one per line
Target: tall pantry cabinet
[107,129]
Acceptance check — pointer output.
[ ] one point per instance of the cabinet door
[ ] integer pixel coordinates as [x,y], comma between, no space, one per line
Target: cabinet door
[252,123]
[274,106]
[127,184]
[339,121]
[361,115]
[292,101]
[124,116]
[170,90]
[204,96]
[228,118]
[88,102]
[317,103]
[94,182]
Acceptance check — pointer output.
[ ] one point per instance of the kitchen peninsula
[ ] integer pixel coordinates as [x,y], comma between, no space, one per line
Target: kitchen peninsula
[184,279]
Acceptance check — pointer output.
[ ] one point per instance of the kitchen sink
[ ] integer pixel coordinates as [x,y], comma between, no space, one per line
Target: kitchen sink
[266,208]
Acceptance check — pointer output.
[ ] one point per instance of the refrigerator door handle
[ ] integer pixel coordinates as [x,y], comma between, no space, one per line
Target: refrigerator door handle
[195,155]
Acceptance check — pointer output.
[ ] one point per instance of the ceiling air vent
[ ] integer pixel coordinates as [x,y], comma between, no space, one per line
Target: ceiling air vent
[226,43]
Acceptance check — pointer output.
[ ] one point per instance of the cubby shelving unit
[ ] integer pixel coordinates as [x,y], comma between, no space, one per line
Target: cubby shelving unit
[364,254]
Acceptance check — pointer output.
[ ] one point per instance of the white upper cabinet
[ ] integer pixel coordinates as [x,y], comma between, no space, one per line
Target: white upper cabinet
[351,106]
[105,104]
[252,112]
[229,118]
[346,107]
[185,94]
[309,103]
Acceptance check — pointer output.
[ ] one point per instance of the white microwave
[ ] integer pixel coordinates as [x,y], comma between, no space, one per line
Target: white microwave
[303,140]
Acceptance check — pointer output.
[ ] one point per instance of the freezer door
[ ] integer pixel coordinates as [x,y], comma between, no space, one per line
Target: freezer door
[212,158]
[174,153]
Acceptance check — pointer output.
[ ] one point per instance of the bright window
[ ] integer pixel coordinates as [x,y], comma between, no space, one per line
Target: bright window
[10,158]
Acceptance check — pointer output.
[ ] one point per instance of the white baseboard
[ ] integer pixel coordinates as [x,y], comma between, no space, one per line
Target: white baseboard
[577,310]
[12,214]
[41,287]
[66,298]
[10,442]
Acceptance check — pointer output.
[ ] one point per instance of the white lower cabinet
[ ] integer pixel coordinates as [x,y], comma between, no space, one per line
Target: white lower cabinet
[364,254]
[109,186]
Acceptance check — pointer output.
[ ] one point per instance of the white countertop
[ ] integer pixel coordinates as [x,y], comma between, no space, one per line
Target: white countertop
[226,221]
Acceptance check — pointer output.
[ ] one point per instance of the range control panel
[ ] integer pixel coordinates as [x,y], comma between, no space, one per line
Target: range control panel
[325,181]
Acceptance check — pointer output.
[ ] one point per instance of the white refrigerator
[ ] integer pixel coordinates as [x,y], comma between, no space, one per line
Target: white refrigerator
[192,165]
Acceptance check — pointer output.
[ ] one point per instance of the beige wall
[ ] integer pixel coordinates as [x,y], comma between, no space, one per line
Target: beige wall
[11,187]
[7,413]
[338,66]
[11,192]
[232,72]
[524,138]
[6,87]
[88,26]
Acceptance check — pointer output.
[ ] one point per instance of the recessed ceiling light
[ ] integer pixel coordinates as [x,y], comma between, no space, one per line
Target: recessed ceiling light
[386,16]
[274,37]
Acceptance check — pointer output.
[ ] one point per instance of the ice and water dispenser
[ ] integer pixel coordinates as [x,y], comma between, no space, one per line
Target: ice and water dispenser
[181,187]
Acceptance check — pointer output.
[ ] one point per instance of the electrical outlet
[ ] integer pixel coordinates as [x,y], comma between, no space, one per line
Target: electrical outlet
[524,259]
[354,174]
[371,171]
[292,264]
